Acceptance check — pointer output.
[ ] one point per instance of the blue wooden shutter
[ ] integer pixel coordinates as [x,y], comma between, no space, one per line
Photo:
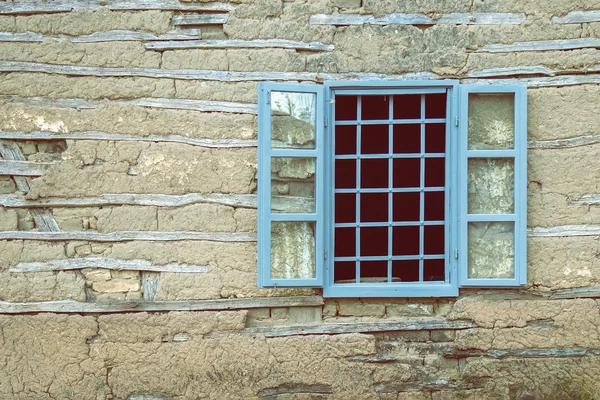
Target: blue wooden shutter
[493,185]
[290,185]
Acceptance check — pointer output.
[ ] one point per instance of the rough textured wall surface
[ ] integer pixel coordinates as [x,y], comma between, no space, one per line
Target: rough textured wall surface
[128,241]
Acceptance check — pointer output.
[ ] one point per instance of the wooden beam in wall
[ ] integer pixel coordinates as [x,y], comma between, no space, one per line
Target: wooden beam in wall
[124,236]
[107,36]
[107,263]
[578,17]
[23,168]
[419,19]
[227,44]
[71,306]
[60,6]
[543,45]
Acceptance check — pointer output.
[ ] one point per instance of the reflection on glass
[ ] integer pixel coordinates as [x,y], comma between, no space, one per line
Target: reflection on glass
[491,121]
[491,186]
[293,120]
[491,250]
[293,250]
[293,184]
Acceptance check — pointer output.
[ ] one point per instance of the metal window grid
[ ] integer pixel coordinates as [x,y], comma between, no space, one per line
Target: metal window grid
[390,189]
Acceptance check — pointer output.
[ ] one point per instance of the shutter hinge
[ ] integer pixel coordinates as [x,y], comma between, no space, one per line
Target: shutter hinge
[269,97]
[456,253]
[325,254]
[325,122]
[456,121]
[331,101]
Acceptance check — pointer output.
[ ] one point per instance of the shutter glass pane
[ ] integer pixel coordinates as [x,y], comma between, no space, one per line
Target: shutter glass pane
[293,184]
[293,120]
[293,250]
[491,121]
[491,250]
[491,185]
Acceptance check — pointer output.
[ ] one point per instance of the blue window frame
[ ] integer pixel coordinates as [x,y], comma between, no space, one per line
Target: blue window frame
[382,189]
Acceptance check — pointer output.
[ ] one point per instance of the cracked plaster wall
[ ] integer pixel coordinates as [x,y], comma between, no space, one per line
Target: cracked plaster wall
[209,354]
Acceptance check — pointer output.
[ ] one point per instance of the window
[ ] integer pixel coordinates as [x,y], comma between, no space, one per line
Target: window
[377,189]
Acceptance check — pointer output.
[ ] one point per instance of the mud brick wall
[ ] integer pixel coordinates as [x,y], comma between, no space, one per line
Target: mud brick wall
[128,203]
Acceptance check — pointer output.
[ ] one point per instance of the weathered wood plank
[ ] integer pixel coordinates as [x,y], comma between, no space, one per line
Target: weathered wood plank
[44,220]
[440,384]
[78,104]
[419,19]
[200,19]
[280,203]
[150,282]
[56,6]
[107,263]
[107,36]
[542,45]
[71,306]
[11,151]
[589,292]
[293,388]
[538,82]
[357,327]
[129,236]
[564,143]
[210,143]
[591,199]
[23,168]
[21,37]
[578,17]
[225,44]
[511,71]
[207,75]
[565,230]
[194,105]
[525,353]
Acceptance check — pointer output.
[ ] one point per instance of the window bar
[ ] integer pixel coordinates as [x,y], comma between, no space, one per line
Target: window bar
[390,186]
[422,193]
[358,137]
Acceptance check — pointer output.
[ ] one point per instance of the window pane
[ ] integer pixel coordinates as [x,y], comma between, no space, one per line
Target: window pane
[405,240]
[491,185]
[435,172]
[345,108]
[491,121]
[405,271]
[374,241]
[293,250]
[345,207]
[435,138]
[407,106]
[345,174]
[374,139]
[293,120]
[491,250]
[407,172]
[373,207]
[345,242]
[292,184]
[435,105]
[433,241]
[345,139]
[434,206]
[407,138]
[433,270]
[375,107]
[407,206]
[344,272]
[374,173]
[373,271]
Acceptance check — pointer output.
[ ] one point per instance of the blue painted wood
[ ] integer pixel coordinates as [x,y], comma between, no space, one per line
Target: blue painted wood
[519,154]
[265,154]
